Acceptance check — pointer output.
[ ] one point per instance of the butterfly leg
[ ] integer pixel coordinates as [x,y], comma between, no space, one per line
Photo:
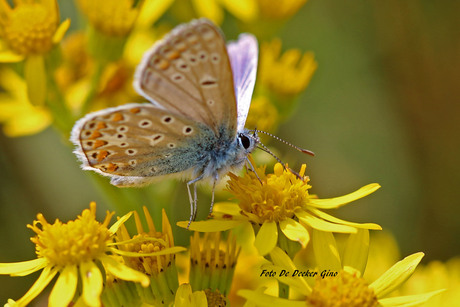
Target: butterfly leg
[193,200]
[216,178]
[254,170]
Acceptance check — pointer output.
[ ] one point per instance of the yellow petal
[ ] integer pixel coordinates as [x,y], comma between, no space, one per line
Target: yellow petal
[333,219]
[92,283]
[337,202]
[123,272]
[121,221]
[357,250]
[60,31]
[282,260]
[266,238]
[227,208]
[323,225]
[9,56]
[43,280]
[23,268]
[325,249]
[295,231]
[396,275]
[409,300]
[32,121]
[246,10]
[209,9]
[166,251]
[35,75]
[151,11]
[210,225]
[65,287]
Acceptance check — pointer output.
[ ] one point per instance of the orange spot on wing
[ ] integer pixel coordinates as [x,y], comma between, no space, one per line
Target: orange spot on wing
[99,143]
[95,135]
[163,65]
[112,167]
[117,117]
[102,155]
[135,110]
[100,125]
[173,55]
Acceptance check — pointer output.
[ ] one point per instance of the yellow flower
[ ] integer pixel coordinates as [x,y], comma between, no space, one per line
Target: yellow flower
[279,9]
[435,275]
[31,27]
[74,250]
[30,30]
[112,17]
[155,257]
[212,262]
[245,10]
[18,116]
[186,298]
[337,280]
[279,201]
[262,115]
[383,251]
[285,75]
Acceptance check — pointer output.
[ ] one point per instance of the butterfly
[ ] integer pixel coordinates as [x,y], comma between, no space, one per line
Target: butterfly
[200,91]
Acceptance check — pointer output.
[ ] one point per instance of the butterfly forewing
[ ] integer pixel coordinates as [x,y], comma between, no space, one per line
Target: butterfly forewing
[139,140]
[189,72]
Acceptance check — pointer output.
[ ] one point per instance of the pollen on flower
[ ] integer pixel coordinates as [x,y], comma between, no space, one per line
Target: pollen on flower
[81,240]
[148,242]
[345,289]
[29,28]
[276,199]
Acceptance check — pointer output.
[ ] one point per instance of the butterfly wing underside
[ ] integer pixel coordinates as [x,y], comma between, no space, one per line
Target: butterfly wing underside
[136,142]
[189,73]
[243,56]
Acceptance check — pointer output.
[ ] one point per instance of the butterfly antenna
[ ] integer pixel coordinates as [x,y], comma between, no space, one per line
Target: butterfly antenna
[306,151]
[265,148]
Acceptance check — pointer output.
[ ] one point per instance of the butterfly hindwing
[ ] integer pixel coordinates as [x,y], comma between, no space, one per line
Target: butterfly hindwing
[189,73]
[140,140]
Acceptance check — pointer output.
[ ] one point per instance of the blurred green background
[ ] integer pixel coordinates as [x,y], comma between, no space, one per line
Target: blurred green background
[383,106]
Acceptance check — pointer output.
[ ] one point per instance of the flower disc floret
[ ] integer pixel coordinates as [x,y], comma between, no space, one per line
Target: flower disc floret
[29,28]
[345,289]
[84,239]
[276,199]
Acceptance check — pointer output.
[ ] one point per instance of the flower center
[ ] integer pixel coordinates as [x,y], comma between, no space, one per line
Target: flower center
[276,199]
[75,242]
[215,298]
[148,264]
[30,28]
[345,289]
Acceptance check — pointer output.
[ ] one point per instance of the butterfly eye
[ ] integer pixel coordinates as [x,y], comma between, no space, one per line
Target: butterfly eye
[245,141]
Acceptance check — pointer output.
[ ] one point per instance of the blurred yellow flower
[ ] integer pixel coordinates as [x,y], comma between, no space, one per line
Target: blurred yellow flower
[186,298]
[285,75]
[17,115]
[436,275]
[279,201]
[263,115]
[30,30]
[74,250]
[245,10]
[279,9]
[337,280]
[31,27]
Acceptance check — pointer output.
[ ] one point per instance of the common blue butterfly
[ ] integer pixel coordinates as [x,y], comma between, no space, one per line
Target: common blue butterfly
[200,90]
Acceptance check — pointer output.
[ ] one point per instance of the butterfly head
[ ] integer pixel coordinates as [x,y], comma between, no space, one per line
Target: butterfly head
[248,140]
